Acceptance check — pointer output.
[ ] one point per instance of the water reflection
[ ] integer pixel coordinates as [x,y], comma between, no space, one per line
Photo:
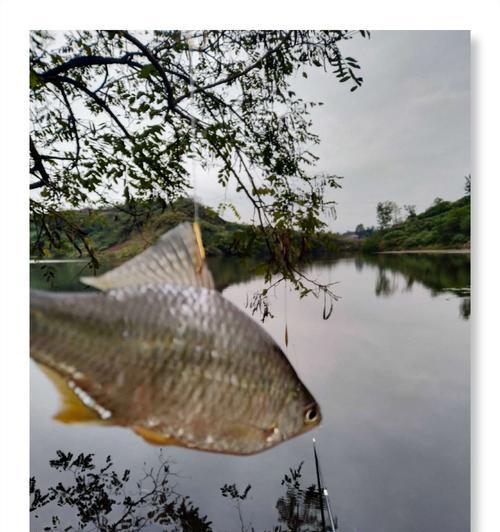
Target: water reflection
[440,273]
[59,276]
[65,276]
[392,371]
[87,496]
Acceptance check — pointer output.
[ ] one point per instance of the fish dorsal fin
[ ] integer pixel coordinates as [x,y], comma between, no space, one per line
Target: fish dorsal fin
[72,410]
[178,258]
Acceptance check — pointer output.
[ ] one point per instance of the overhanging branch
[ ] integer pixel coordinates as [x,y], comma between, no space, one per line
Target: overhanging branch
[89,60]
[237,75]
[93,96]
[154,61]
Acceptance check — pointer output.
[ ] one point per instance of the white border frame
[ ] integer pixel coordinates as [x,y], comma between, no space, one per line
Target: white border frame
[482,17]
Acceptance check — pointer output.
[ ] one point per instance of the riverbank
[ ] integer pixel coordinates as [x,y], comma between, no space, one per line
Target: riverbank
[55,261]
[429,251]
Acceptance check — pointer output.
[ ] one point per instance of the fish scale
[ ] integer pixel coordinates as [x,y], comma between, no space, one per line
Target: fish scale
[161,351]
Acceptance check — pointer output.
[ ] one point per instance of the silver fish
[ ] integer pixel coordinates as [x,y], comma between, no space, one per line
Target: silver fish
[161,351]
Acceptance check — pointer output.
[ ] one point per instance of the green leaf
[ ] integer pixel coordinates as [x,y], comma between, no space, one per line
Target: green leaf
[146,71]
[35,80]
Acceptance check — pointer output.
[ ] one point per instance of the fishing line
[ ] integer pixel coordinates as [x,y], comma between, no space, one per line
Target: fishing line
[286,316]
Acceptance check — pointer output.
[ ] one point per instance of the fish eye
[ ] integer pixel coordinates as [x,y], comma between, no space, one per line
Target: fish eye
[311,415]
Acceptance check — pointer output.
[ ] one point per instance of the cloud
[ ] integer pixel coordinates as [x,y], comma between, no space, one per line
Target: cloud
[405,134]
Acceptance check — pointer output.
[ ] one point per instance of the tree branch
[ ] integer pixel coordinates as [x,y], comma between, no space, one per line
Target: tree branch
[93,96]
[74,124]
[89,60]
[154,61]
[38,167]
[237,75]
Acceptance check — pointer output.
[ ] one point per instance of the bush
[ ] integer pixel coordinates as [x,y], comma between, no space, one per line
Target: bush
[372,244]
[459,240]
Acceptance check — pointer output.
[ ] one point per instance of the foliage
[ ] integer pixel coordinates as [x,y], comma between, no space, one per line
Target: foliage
[118,113]
[443,225]
[87,497]
[387,213]
[467,186]
[233,493]
[300,506]
[116,239]
[298,509]
[99,500]
[361,231]
[410,211]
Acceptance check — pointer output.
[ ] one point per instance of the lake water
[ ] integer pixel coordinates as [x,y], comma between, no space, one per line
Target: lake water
[390,370]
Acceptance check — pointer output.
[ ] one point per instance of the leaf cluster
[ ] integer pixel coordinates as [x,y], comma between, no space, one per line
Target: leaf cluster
[116,115]
[89,497]
[99,498]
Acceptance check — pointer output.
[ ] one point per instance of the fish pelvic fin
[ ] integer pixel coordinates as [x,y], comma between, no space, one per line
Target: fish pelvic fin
[72,410]
[155,438]
[178,258]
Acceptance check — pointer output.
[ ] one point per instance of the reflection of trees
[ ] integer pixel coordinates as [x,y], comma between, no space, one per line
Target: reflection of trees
[237,496]
[65,276]
[465,308]
[62,276]
[88,497]
[383,285]
[230,270]
[439,273]
[358,263]
[299,508]
[99,498]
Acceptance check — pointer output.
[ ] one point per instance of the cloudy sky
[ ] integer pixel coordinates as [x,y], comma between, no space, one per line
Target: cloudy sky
[404,136]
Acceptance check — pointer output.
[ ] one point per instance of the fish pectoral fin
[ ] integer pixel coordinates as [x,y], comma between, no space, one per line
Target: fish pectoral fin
[77,413]
[72,410]
[178,258]
[155,438]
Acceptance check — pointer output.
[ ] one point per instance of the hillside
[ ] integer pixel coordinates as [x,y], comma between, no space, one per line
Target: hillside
[116,236]
[444,225]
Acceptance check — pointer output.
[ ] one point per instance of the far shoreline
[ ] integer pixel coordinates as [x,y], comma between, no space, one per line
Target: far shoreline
[444,251]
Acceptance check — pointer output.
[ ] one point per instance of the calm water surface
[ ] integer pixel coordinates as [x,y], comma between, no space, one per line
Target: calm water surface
[390,369]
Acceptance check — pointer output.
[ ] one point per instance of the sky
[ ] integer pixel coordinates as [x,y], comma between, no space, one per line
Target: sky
[403,136]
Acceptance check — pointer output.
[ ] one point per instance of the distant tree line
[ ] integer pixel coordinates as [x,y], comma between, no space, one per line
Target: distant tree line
[390,214]
[444,225]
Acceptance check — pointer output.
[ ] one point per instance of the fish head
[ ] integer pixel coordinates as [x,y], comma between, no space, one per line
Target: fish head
[300,414]
[289,410]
